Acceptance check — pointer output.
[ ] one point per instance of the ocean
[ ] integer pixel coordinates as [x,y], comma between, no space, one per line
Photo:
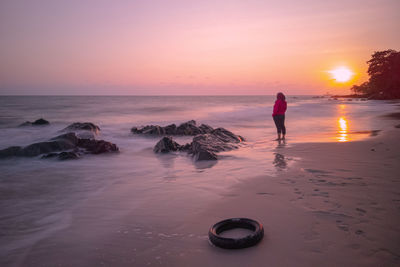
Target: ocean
[88,199]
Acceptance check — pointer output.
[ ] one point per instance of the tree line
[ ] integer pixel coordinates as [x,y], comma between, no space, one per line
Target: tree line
[384,76]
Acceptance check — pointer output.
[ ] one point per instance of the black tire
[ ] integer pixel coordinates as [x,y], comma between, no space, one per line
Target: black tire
[236,243]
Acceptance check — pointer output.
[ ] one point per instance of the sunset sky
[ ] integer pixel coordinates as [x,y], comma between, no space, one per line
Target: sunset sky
[190,47]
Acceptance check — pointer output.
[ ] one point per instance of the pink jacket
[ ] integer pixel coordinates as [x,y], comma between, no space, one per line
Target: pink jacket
[279,107]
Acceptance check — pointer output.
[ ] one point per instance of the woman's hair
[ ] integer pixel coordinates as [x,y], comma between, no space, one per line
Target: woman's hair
[280,96]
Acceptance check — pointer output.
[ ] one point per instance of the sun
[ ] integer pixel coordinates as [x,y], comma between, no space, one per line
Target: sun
[341,74]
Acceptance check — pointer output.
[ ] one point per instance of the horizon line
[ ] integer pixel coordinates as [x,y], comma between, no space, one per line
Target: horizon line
[169,95]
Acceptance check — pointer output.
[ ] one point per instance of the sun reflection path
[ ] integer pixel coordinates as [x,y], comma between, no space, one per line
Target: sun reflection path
[343,130]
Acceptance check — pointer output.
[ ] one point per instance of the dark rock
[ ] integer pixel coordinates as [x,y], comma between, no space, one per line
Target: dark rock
[62,143]
[204,146]
[10,152]
[170,129]
[40,121]
[45,147]
[50,155]
[205,128]
[63,155]
[186,147]
[68,155]
[205,155]
[86,135]
[97,146]
[85,126]
[135,130]
[70,137]
[149,129]
[154,130]
[186,128]
[212,143]
[166,144]
[227,136]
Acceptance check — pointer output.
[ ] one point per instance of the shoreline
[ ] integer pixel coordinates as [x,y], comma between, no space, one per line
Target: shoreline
[365,97]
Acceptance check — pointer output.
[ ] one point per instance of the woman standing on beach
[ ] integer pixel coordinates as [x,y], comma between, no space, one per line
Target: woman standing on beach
[279,115]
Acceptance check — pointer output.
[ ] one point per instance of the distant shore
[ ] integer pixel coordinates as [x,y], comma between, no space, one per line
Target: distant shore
[366,97]
[349,96]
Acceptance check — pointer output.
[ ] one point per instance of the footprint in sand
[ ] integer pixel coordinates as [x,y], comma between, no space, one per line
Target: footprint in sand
[362,211]
[297,191]
[355,246]
[353,178]
[265,193]
[318,193]
[359,232]
[343,227]
[316,171]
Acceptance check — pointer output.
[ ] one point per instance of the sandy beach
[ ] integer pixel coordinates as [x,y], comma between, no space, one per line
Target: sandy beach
[338,205]
[327,204]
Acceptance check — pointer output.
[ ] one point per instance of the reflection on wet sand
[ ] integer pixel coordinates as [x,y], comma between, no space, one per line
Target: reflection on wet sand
[167,160]
[280,161]
[201,165]
[343,130]
[344,134]
[342,123]
[281,143]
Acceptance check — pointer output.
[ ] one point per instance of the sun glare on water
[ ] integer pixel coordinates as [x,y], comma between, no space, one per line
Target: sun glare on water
[341,74]
[342,130]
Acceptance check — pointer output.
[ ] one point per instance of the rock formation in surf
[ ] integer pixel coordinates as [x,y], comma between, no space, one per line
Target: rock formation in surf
[82,126]
[40,121]
[186,128]
[65,146]
[206,143]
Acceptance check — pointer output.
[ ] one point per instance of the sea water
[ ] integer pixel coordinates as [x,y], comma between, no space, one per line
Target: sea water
[40,198]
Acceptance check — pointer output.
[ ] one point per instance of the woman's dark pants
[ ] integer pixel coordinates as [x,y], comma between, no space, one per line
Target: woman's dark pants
[280,123]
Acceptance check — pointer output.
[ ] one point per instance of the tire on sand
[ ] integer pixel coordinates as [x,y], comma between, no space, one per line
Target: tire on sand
[236,243]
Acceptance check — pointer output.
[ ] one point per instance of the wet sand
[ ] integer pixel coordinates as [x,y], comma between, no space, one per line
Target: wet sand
[338,205]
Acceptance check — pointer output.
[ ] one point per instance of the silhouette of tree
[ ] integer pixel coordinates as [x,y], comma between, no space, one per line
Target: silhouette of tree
[384,72]
[362,89]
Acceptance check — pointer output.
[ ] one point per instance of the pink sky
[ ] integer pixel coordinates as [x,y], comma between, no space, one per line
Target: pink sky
[189,47]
